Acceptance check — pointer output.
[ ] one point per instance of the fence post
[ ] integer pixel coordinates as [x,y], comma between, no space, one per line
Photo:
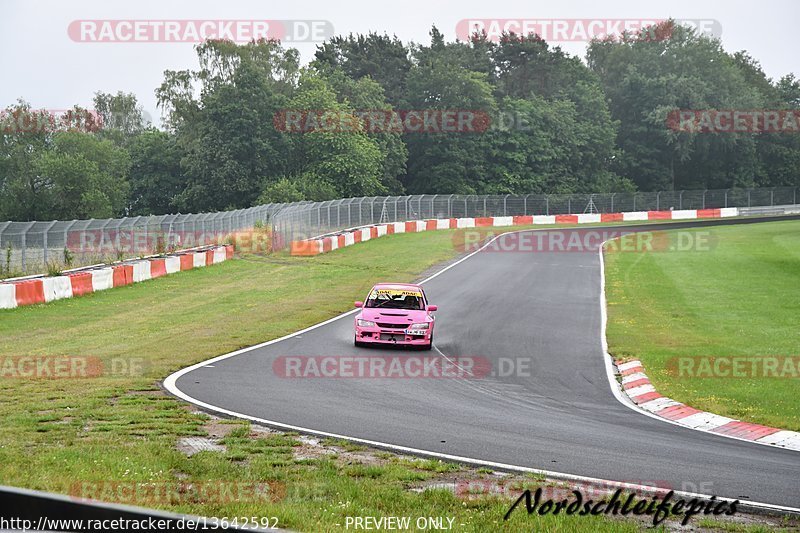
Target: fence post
[44,239]
[680,200]
[168,237]
[772,197]
[547,204]
[133,235]
[2,229]
[634,201]
[25,244]
[146,244]
[44,243]
[103,233]
[66,232]
[658,201]
[612,202]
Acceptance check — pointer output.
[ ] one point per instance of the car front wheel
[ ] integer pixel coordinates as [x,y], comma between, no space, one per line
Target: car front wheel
[429,345]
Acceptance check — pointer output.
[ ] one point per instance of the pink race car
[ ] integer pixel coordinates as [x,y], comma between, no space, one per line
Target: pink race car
[395,313]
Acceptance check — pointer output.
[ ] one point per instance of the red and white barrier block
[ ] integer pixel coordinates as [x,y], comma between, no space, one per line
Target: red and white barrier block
[637,386]
[31,291]
[321,245]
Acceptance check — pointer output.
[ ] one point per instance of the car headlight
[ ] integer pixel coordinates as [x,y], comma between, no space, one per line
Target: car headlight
[366,323]
[421,325]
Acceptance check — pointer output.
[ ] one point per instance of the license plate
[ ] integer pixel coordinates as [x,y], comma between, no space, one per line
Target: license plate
[415,332]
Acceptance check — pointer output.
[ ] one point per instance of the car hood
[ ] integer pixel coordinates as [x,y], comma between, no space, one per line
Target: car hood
[395,316]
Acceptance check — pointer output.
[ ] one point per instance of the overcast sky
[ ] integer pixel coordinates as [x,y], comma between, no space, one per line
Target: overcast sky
[51,68]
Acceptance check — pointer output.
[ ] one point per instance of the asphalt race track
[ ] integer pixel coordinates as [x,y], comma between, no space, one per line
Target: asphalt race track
[561,417]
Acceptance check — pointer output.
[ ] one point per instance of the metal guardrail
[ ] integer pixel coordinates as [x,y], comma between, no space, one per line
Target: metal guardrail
[771,210]
[29,510]
[29,247]
[302,221]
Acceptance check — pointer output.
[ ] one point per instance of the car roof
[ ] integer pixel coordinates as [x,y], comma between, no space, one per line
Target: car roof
[396,286]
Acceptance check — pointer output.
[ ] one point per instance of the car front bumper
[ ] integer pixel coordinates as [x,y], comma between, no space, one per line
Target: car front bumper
[377,335]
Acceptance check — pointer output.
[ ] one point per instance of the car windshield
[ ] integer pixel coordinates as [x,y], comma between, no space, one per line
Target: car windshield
[396,299]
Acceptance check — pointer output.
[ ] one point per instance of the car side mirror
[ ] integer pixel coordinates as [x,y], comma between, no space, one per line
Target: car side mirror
[359,304]
[433,307]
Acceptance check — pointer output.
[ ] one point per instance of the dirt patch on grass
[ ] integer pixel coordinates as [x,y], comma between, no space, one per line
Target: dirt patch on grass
[477,486]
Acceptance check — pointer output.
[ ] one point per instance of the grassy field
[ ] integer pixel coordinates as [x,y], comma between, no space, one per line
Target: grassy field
[105,435]
[739,296]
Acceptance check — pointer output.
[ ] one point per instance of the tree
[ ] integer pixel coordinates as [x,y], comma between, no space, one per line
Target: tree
[81,177]
[25,135]
[526,65]
[155,176]
[366,95]
[87,176]
[380,57]
[340,161]
[451,162]
[120,116]
[283,190]
[50,169]
[646,78]
[227,137]
[474,55]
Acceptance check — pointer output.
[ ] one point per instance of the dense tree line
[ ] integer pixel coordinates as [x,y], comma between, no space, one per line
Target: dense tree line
[558,125]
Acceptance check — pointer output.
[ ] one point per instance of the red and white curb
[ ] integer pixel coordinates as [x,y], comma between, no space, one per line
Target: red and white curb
[640,390]
[39,290]
[328,243]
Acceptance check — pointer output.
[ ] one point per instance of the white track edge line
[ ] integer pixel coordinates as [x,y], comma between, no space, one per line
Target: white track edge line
[170,383]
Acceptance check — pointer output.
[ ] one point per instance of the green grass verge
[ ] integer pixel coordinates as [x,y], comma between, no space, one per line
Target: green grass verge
[739,298]
[59,432]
